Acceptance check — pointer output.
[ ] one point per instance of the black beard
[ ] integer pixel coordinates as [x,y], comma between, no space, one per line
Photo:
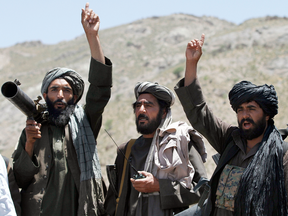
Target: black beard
[59,117]
[151,126]
[255,132]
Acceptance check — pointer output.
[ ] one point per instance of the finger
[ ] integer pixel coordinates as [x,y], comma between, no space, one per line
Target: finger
[83,14]
[93,17]
[87,6]
[192,44]
[202,39]
[189,45]
[143,172]
[34,137]
[32,130]
[31,123]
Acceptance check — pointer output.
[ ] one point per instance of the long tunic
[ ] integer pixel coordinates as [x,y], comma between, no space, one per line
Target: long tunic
[224,138]
[54,170]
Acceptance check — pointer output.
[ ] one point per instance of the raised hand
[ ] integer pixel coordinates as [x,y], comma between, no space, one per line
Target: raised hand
[193,54]
[90,21]
[194,49]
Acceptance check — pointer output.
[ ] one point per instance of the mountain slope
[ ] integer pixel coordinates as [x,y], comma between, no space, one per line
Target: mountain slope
[153,49]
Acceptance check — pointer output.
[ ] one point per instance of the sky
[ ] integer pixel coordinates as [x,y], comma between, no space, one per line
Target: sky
[53,21]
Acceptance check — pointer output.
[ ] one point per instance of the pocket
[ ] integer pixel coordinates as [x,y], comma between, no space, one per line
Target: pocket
[228,187]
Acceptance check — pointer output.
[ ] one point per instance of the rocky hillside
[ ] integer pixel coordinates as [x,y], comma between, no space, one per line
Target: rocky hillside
[153,49]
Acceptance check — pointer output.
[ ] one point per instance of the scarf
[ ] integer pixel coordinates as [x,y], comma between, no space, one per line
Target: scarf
[174,171]
[91,189]
[262,189]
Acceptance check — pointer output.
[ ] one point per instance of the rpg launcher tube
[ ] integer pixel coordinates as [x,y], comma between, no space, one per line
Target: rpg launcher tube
[16,96]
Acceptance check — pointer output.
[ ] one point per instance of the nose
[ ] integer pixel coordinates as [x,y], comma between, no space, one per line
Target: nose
[246,114]
[142,108]
[60,94]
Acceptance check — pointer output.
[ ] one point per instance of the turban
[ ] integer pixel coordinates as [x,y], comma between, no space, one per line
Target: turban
[72,77]
[158,91]
[263,95]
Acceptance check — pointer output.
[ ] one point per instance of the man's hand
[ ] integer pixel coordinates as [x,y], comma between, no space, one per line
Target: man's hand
[146,185]
[90,21]
[194,49]
[193,54]
[33,132]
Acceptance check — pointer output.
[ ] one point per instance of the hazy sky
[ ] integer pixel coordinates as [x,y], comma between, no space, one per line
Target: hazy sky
[52,21]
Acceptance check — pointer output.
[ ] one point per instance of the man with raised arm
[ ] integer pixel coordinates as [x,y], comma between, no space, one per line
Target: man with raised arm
[56,163]
[251,174]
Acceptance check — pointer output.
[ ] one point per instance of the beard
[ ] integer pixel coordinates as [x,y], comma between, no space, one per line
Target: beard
[60,117]
[151,126]
[255,131]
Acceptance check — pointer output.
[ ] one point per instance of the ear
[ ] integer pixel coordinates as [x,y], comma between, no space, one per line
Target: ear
[44,96]
[267,117]
[75,98]
[164,114]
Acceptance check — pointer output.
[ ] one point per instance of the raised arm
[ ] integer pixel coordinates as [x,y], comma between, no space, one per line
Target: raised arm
[193,54]
[91,23]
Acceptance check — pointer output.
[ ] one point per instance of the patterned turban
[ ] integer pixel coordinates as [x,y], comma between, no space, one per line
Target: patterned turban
[158,91]
[72,77]
[264,95]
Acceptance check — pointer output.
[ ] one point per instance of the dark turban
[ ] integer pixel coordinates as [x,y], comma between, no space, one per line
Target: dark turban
[264,95]
[158,91]
[72,77]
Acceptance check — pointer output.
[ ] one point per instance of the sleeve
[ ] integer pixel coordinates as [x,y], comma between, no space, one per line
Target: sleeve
[24,168]
[7,206]
[201,117]
[99,92]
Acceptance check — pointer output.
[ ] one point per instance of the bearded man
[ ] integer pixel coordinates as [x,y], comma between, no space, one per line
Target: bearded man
[56,163]
[165,154]
[251,175]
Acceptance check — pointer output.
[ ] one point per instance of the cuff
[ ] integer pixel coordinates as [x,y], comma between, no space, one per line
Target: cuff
[100,74]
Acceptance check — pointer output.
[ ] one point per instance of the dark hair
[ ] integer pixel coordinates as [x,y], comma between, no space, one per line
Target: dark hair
[163,105]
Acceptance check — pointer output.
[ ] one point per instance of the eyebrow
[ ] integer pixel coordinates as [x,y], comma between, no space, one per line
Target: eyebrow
[145,102]
[57,86]
[251,106]
[248,106]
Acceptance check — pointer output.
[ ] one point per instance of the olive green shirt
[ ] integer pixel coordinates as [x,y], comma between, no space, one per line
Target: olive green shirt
[61,186]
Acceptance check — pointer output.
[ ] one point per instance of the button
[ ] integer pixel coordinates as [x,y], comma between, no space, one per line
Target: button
[44,176]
